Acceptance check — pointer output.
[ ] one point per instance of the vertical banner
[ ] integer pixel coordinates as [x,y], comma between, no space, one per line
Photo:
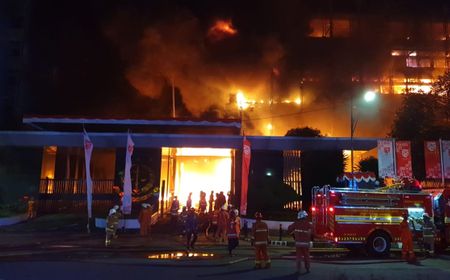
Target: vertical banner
[386,158]
[126,202]
[246,156]
[446,158]
[403,159]
[432,160]
[88,147]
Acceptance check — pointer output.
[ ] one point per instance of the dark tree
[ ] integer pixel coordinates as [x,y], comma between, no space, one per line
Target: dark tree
[369,164]
[318,167]
[421,117]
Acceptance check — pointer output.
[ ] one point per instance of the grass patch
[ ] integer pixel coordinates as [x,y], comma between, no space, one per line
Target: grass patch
[52,222]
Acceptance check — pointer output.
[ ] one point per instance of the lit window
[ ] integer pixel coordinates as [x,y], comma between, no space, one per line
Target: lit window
[411,62]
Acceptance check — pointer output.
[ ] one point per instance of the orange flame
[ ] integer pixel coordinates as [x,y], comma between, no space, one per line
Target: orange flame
[221,30]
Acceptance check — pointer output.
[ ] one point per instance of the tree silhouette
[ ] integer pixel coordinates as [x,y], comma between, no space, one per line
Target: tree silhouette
[318,167]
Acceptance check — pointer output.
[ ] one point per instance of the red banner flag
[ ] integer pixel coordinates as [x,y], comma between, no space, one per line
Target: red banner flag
[246,156]
[446,158]
[403,159]
[432,160]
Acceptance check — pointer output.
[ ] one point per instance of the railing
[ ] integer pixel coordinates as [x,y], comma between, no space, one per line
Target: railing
[59,195]
[75,186]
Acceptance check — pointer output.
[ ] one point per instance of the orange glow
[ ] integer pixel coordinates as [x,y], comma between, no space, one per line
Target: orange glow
[197,169]
[242,103]
[298,101]
[221,30]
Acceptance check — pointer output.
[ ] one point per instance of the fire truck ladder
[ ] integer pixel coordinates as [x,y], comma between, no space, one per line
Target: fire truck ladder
[324,192]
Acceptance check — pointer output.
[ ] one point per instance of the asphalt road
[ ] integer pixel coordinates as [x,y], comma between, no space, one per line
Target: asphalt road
[124,269]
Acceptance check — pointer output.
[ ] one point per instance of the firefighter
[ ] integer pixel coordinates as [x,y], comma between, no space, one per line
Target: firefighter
[429,230]
[31,208]
[238,221]
[174,211]
[222,222]
[232,233]
[112,223]
[407,240]
[260,236]
[302,231]
[191,228]
[213,219]
[145,220]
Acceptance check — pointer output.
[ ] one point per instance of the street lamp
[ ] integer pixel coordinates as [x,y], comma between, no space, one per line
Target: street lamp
[369,96]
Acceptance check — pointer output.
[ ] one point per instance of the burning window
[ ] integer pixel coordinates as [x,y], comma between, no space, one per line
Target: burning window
[191,170]
[326,28]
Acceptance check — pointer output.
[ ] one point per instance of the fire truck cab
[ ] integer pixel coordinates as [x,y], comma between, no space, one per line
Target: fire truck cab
[367,218]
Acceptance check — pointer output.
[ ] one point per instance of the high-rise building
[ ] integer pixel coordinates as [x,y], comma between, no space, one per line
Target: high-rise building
[13,22]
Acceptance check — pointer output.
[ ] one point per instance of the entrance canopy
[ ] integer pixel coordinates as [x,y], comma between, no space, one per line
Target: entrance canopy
[151,140]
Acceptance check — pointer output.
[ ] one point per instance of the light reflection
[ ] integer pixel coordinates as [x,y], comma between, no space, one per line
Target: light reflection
[179,255]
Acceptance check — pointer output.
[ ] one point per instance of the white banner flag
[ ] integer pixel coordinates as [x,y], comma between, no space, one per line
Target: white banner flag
[386,158]
[446,158]
[126,203]
[88,147]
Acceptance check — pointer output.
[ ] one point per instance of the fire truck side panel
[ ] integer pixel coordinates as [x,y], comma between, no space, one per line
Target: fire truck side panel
[356,224]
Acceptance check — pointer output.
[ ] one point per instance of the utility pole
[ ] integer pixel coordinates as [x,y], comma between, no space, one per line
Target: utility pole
[173,99]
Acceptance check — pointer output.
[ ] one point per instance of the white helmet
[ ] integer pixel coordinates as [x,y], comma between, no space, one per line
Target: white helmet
[236,212]
[116,207]
[112,211]
[302,214]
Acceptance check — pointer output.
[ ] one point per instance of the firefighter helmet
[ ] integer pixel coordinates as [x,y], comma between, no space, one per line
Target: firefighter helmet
[236,212]
[302,214]
[258,215]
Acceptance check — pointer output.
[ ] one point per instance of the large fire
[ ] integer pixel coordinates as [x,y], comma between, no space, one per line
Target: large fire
[221,30]
[192,170]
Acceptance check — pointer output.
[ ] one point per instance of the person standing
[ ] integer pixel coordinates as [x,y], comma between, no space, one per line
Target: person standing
[112,223]
[260,236]
[302,231]
[174,211]
[407,240]
[428,230]
[222,222]
[31,208]
[202,203]
[211,202]
[145,220]
[189,201]
[232,233]
[191,229]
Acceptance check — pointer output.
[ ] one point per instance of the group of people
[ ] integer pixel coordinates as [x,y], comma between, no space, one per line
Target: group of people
[301,230]
[225,224]
[114,216]
[216,202]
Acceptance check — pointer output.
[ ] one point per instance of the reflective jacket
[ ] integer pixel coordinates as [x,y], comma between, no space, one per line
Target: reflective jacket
[428,229]
[260,232]
[302,230]
[231,229]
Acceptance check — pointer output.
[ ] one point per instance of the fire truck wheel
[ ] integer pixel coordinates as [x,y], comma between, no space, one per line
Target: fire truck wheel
[379,244]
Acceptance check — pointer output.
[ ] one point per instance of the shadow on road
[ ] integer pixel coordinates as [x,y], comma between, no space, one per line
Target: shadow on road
[226,273]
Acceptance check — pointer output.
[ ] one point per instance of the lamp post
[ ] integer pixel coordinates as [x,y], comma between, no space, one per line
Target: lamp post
[369,96]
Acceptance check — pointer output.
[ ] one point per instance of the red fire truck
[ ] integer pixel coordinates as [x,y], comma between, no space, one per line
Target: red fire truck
[367,218]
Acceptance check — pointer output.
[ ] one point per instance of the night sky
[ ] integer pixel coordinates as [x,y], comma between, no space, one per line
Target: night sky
[117,58]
